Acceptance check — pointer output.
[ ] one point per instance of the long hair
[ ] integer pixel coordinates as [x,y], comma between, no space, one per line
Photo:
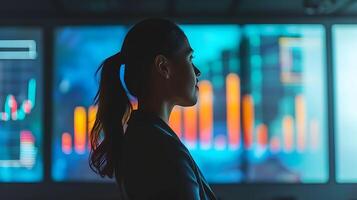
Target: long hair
[113,105]
[143,42]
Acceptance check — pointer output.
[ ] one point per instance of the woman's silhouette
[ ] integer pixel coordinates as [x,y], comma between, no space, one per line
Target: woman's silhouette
[147,158]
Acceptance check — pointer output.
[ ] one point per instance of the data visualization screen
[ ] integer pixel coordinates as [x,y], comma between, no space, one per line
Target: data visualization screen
[21,65]
[261,115]
[78,53]
[261,110]
[344,43]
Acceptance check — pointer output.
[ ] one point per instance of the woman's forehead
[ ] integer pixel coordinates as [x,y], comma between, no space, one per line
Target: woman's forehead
[186,47]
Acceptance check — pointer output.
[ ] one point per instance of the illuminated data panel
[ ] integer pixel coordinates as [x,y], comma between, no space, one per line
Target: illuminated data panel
[261,115]
[344,43]
[284,101]
[78,53]
[21,131]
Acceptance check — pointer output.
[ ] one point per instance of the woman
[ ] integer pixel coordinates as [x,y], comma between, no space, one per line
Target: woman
[138,147]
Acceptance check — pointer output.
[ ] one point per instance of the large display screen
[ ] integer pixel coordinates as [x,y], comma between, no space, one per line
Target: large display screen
[78,53]
[260,117]
[21,132]
[344,43]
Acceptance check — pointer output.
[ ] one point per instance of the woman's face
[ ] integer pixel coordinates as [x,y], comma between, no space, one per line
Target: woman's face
[184,80]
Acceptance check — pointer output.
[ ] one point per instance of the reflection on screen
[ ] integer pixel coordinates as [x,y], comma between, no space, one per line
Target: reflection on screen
[20,105]
[344,43]
[260,116]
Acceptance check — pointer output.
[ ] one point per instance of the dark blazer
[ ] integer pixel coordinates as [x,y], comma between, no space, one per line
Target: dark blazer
[157,165]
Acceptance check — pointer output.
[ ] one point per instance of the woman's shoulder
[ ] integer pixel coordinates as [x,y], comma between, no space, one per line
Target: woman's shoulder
[152,135]
[155,143]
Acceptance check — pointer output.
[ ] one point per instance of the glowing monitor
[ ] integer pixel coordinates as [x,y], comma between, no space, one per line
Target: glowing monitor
[260,116]
[344,43]
[21,105]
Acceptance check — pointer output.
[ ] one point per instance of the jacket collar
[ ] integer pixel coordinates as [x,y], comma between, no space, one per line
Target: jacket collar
[147,117]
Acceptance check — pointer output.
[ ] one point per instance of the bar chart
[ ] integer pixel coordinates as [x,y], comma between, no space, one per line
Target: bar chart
[28,151]
[283,103]
[20,105]
[83,123]
[184,122]
[15,111]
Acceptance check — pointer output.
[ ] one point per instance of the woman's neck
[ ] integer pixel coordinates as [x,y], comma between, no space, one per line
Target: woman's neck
[156,107]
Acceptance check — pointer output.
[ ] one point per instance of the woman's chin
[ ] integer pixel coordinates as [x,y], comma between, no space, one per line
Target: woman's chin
[193,101]
[189,101]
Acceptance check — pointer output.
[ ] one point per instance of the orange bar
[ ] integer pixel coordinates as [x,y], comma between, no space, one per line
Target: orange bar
[274,144]
[80,129]
[205,114]
[315,134]
[300,112]
[92,113]
[262,134]
[175,120]
[66,143]
[248,120]
[233,110]
[288,132]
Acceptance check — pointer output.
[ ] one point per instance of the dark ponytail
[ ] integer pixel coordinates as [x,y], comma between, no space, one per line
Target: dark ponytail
[113,111]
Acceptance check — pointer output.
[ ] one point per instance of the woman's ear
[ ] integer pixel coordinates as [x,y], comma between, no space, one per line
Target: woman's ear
[161,65]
